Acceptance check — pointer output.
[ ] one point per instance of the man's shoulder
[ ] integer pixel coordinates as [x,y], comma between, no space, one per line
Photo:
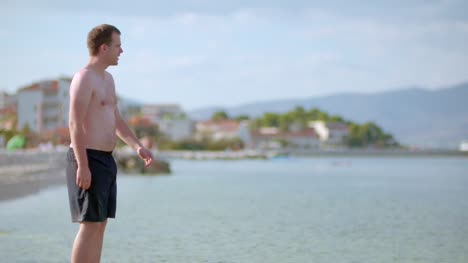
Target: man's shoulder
[82,79]
[84,73]
[109,75]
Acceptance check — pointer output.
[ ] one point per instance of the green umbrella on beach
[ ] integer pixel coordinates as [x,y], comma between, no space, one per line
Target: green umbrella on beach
[16,142]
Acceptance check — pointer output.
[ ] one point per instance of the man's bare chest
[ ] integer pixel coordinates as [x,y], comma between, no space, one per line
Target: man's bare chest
[103,94]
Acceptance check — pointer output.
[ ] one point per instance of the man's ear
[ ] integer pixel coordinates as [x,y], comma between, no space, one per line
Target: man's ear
[103,48]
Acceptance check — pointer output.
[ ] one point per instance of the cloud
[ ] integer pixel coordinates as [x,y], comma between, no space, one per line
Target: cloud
[251,49]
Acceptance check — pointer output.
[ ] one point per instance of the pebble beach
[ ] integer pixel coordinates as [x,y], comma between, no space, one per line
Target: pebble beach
[26,172]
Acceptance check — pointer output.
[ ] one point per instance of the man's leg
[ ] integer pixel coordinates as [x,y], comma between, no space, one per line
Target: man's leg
[88,242]
[101,235]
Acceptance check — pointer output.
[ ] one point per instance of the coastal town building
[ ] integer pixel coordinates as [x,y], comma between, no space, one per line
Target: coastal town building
[331,133]
[142,126]
[171,120]
[265,138]
[177,129]
[128,108]
[306,138]
[223,130]
[44,106]
[157,112]
[273,138]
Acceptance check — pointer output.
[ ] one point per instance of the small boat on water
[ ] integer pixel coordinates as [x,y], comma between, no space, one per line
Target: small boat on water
[276,155]
[464,146]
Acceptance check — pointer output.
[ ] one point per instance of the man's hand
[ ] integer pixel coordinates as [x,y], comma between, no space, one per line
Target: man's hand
[83,178]
[145,155]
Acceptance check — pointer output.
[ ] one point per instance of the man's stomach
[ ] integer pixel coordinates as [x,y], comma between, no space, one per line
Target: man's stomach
[102,142]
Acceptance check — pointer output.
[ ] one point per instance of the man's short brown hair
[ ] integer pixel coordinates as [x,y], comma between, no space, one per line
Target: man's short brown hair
[99,35]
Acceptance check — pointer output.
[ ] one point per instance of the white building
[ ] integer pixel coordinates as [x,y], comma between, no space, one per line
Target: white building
[330,133]
[223,130]
[244,132]
[157,112]
[307,139]
[127,107]
[176,130]
[44,106]
[272,138]
[171,120]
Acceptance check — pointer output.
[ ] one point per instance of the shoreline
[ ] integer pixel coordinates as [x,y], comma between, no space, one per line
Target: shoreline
[25,173]
[306,153]
[25,185]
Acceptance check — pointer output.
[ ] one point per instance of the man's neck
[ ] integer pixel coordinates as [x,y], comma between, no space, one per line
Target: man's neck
[97,65]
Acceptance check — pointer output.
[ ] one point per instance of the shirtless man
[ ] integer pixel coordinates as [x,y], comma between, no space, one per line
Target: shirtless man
[95,123]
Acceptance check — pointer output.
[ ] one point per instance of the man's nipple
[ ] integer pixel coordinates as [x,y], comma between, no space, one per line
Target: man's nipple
[103,102]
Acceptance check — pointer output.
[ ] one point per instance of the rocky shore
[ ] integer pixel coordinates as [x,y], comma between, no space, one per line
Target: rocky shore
[26,172]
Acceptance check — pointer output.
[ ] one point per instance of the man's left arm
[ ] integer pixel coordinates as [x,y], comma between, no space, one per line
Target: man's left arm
[124,133]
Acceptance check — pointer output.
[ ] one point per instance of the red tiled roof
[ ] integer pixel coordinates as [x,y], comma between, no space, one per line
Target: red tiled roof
[220,122]
[140,121]
[309,132]
[262,135]
[45,86]
[8,110]
[52,87]
[31,87]
[223,125]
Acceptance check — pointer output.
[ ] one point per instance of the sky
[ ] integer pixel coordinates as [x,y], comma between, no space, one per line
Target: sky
[225,53]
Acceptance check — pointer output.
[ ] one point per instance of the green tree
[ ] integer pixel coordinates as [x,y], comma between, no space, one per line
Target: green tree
[360,135]
[335,118]
[284,122]
[313,114]
[219,115]
[270,120]
[369,134]
[242,117]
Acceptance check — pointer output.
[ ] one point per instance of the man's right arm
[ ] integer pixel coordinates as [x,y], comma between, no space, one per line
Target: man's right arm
[80,97]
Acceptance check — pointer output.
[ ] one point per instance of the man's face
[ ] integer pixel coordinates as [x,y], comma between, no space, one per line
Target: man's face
[114,50]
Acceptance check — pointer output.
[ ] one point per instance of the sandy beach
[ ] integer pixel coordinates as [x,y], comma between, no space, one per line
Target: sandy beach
[27,172]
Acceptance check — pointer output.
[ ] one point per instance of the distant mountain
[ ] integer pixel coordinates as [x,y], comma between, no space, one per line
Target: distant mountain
[416,116]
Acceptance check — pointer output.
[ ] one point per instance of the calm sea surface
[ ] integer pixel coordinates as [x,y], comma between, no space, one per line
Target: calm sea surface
[285,210]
